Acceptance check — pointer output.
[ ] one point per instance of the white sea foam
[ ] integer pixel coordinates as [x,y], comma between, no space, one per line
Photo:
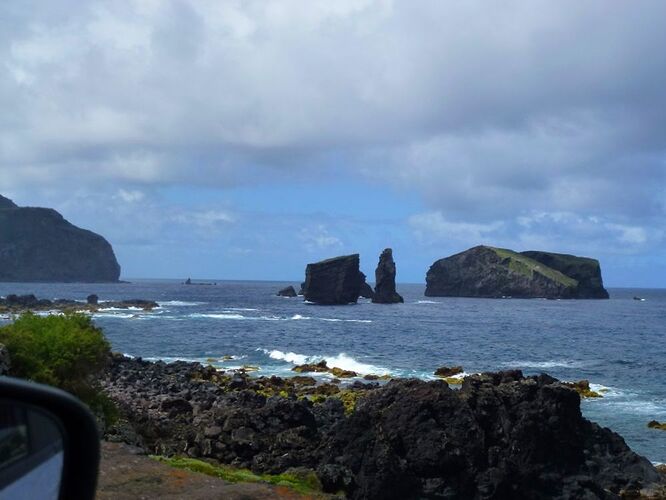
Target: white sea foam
[427,302]
[180,303]
[336,320]
[289,357]
[241,309]
[218,315]
[553,363]
[341,360]
[298,316]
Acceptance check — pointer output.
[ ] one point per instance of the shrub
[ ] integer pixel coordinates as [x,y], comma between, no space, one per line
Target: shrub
[66,351]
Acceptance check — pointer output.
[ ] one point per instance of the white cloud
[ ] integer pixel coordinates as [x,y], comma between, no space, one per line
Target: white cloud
[432,227]
[318,238]
[130,196]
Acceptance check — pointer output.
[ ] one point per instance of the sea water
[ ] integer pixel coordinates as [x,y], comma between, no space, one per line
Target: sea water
[617,344]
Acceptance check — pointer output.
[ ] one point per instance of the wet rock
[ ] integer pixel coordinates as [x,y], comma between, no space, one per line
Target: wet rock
[654,424]
[340,373]
[92,299]
[320,367]
[582,387]
[446,371]
[287,292]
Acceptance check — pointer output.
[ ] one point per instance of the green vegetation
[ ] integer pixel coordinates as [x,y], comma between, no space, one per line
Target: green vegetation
[524,265]
[65,351]
[306,483]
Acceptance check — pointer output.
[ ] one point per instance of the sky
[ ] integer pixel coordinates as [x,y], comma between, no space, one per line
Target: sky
[244,139]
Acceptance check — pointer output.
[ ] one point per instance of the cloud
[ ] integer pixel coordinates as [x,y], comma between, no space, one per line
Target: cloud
[490,113]
[318,238]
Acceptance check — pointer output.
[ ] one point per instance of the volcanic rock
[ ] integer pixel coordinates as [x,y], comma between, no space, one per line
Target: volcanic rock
[38,244]
[288,291]
[490,272]
[366,290]
[385,280]
[500,436]
[335,281]
[92,299]
[446,371]
[586,271]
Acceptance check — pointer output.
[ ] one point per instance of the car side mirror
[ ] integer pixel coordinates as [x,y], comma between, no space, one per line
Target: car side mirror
[49,443]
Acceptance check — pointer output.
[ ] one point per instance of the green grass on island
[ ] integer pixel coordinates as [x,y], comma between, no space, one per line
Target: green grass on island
[526,266]
[306,483]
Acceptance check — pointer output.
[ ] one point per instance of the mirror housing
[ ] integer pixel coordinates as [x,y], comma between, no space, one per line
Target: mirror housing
[80,436]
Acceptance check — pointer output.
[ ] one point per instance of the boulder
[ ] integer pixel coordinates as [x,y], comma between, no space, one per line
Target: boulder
[92,299]
[39,245]
[446,371]
[586,271]
[288,291]
[335,281]
[491,272]
[385,280]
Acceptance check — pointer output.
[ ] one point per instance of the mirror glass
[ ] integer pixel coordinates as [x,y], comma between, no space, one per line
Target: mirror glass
[31,452]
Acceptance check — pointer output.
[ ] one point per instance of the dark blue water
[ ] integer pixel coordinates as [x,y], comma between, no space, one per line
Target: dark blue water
[617,344]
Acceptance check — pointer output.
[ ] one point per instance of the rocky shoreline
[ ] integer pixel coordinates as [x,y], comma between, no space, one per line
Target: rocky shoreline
[501,435]
[17,304]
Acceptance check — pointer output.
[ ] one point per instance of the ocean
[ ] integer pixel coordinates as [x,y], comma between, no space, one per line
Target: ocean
[617,344]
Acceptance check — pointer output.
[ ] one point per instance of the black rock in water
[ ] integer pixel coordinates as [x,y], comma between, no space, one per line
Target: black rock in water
[92,299]
[39,245]
[385,280]
[586,271]
[333,281]
[288,291]
[366,290]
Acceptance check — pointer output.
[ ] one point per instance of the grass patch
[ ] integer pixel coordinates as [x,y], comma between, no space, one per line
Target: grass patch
[305,483]
[524,265]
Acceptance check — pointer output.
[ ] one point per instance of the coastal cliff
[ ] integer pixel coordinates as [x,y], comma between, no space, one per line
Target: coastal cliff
[39,245]
[586,271]
[490,272]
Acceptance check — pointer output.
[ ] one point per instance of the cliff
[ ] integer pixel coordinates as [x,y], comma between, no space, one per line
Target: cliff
[586,271]
[39,245]
[335,281]
[485,271]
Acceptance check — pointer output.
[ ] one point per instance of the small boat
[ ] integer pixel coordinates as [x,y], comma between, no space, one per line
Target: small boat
[639,298]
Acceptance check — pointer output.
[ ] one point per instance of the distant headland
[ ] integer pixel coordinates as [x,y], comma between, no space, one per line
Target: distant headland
[39,245]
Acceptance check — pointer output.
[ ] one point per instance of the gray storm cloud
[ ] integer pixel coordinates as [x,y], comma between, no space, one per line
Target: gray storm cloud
[490,110]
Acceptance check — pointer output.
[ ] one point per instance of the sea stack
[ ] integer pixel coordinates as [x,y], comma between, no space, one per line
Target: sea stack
[39,245]
[335,281]
[385,292]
